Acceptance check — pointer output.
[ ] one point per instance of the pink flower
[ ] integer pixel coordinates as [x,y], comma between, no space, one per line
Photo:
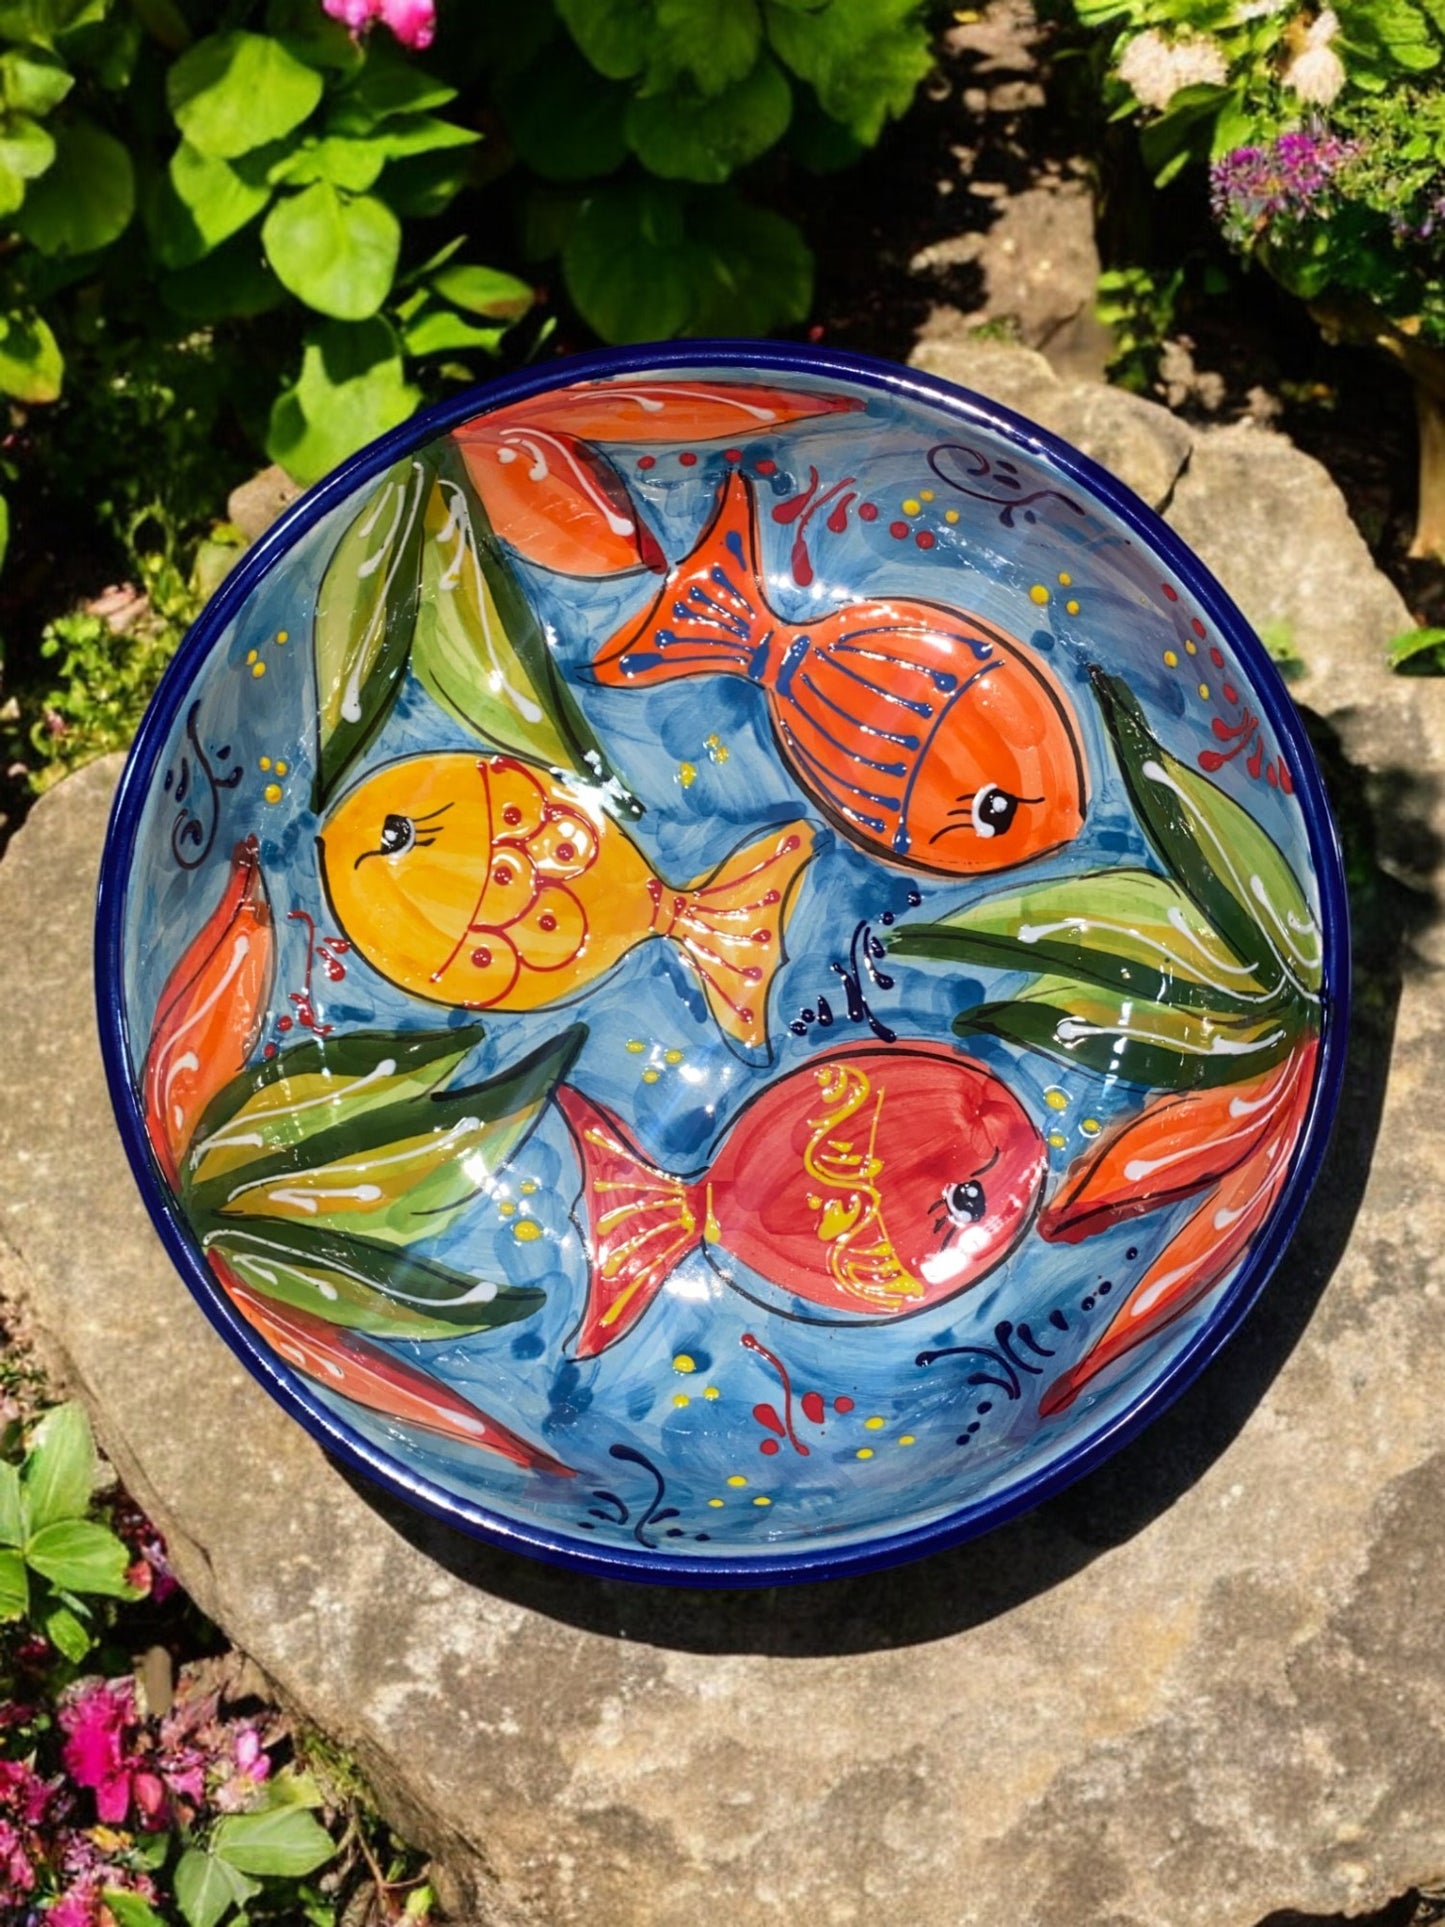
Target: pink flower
[95,1720]
[412,21]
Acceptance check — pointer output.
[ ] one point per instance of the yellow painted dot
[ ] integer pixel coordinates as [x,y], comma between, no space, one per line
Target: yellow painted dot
[1171,661]
[720,754]
[272,792]
[950,515]
[526,1231]
[1072,607]
[1038,593]
[1057,1140]
[684,1362]
[864,1452]
[925,495]
[650,1076]
[265,763]
[1056,1099]
[250,655]
[283,635]
[912,506]
[258,668]
[1192,647]
[635,1045]
[281,768]
[906,1438]
[1204,691]
[717,1502]
[737,1479]
[1066,581]
[680,1399]
[529,1185]
[507,1208]
[762,1499]
[672,1057]
[711,1391]
[874,1424]
[1090,1126]
[686,775]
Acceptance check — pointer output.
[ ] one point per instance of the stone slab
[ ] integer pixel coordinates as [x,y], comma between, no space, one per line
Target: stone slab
[1204,1684]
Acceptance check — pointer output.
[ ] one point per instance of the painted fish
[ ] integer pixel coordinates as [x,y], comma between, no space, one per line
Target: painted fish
[867,1185]
[476,881]
[926,734]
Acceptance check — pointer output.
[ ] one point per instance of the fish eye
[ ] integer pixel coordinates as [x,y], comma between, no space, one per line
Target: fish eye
[398,833]
[994,810]
[965,1202]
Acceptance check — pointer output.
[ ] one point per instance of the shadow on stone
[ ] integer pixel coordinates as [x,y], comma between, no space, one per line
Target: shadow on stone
[1383,818]
[1417,1908]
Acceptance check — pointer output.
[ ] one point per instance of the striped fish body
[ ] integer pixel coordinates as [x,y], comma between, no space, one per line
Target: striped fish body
[926,735]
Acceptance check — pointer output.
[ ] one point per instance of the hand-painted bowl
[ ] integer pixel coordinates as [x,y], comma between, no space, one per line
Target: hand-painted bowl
[722,963]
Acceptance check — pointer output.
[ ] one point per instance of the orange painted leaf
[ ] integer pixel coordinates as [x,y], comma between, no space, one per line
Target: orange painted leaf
[558,502]
[1175,1146]
[346,1362]
[211,1010]
[678,411]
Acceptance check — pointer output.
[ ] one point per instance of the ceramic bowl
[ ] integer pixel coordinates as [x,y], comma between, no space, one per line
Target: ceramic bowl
[722,963]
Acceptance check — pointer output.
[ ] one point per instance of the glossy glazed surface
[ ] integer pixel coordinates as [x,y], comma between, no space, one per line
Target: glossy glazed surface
[728,967]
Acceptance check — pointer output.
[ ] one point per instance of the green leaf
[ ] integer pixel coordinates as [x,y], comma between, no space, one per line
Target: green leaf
[412,134]
[684,135]
[352,388]
[26,150]
[14,1586]
[233,92]
[80,1556]
[1422,649]
[1125,930]
[565,123]
[130,1909]
[617,36]
[284,1842]
[716,42]
[422,188]
[865,59]
[336,253]
[368,1285]
[219,198]
[439,331]
[755,271]
[479,650]
[822,144]
[1229,866]
[385,85]
[31,367]
[234,280]
[68,1634]
[86,199]
[365,612]
[352,164]
[60,1467]
[628,265]
[484,291]
[32,81]
[4,527]
[207,1888]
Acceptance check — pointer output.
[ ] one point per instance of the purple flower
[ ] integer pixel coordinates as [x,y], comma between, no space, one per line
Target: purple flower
[1289,180]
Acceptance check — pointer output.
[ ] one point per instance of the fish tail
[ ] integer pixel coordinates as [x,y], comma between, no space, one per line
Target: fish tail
[641,1223]
[731,926]
[710,617]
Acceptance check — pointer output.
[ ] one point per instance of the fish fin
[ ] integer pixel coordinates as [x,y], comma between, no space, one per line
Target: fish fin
[641,1223]
[709,618]
[731,928]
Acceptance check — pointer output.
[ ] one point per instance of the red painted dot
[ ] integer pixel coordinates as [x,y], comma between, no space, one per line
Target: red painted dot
[898,530]
[481,957]
[1231,694]
[813,1407]
[867,511]
[1173,594]
[647,461]
[688,460]
[766,467]
[566,852]
[270,1051]
[503,874]
[732,454]
[1216,656]
[283,1023]
[762,936]
[768,1446]
[547,922]
[511,816]
[752,975]
[1198,627]
[843,1405]
[747,1015]
[925,538]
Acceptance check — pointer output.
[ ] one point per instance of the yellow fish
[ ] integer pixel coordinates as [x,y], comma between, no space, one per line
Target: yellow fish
[476,881]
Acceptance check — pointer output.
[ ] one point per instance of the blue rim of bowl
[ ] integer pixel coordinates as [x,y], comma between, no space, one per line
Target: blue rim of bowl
[815,1562]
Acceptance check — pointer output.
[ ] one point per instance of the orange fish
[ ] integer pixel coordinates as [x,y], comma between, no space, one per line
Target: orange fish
[476,881]
[927,735]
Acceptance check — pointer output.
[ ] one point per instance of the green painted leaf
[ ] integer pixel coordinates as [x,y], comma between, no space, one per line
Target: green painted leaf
[617,36]
[80,1556]
[366,609]
[60,1467]
[683,134]
[68,1634]
[352,388]
[14,1586]
[754,271]
[480,651]
[1127,930]
[31,366]
[33,81]
[367,1285]
[128,1909]
[283,1842]
[1130,1040]
[565,123]
[865,59]
[207,1888]
[485,291]
[716,42]
[1232,869]
[14,1515]
[232,92]
[628,264]
[219,198]
[334,251]
[86,198]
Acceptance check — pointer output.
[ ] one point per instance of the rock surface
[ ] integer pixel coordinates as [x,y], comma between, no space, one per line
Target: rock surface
[1204,1684]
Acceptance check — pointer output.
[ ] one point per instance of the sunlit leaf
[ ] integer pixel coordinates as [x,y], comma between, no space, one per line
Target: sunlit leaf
[282,1842]
[14,1517]
[80,1556]
[352,388]
[70,1635]
[60,1468]
[14,1586]
[335,251]
[207,1889]
[85,199]
[32,367]
[232,92]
